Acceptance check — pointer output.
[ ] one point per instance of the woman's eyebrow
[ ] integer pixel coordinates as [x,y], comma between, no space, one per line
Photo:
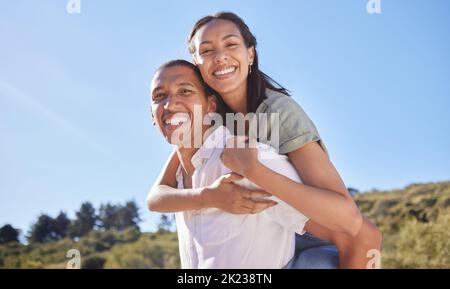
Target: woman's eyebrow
[224,38]
[230,35]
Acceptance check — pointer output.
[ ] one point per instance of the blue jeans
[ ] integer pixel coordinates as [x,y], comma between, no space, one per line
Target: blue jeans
[313,253]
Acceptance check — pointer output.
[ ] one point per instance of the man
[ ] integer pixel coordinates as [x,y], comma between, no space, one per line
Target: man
[210,237]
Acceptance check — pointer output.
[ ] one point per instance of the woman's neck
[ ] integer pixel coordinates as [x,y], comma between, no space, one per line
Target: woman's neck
[237,99]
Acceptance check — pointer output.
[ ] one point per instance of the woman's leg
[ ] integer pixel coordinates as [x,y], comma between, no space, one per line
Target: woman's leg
[352,250]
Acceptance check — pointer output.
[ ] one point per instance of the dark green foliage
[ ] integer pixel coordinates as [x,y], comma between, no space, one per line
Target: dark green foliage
[86,220]
[93,262]
[415,222]
[8,234]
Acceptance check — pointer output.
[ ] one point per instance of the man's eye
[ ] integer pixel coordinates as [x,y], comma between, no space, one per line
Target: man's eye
[231,44]
[159,96]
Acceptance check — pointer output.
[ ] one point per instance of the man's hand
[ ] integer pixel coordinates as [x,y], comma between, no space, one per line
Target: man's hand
[229,197]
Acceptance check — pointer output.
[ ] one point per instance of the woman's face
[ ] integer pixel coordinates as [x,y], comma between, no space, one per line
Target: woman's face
[222,57]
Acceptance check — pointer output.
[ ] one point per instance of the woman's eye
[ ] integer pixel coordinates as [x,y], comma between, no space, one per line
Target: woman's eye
[206,51]
[231,44]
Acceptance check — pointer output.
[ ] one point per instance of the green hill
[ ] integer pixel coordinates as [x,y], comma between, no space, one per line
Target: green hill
[99,249]
[415,222]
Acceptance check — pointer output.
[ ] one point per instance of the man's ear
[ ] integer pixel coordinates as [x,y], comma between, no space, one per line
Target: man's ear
[212,103]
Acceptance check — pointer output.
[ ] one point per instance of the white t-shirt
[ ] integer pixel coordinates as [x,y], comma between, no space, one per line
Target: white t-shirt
[214,239]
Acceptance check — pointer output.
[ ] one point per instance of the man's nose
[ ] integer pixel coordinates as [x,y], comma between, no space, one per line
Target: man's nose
[171,102]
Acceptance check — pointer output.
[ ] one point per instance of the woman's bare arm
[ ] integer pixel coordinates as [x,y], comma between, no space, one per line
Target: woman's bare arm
[322,196]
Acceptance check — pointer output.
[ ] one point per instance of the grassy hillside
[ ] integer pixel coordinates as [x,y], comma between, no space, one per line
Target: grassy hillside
[99,249]
[415,222]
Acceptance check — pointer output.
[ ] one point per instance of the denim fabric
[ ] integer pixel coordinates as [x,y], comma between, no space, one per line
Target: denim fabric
[313,253]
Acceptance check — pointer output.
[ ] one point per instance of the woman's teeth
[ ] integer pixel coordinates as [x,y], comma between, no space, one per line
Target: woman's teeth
[225,71]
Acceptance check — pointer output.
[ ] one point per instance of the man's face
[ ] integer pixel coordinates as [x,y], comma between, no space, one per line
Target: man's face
[176,93]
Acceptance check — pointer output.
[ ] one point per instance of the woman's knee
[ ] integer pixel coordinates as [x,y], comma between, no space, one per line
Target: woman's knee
[371,236]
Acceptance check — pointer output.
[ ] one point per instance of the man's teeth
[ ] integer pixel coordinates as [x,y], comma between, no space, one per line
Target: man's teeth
[225,71]
[176,121]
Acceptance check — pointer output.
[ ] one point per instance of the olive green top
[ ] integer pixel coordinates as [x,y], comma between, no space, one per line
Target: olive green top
[296,129]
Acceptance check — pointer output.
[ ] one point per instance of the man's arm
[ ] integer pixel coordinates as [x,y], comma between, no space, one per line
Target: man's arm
[222,194]
[164,198]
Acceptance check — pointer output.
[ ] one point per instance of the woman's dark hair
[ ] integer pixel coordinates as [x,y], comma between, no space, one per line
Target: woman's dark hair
[257,81]
[222,107]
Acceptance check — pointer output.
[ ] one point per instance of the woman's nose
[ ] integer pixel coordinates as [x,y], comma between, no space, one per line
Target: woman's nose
[220,56]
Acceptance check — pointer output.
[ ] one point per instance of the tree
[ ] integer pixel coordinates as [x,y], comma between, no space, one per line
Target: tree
[43,230]
[353,192]
[9,234]
[108,216]
[119,217]
[165,223]
[86,220]
[130,215]
[61,225]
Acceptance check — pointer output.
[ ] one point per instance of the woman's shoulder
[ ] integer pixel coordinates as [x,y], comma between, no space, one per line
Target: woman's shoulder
[285,105]
[295,127]
[275,99]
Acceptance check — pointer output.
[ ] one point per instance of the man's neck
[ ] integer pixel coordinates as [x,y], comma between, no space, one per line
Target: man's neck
[185,156]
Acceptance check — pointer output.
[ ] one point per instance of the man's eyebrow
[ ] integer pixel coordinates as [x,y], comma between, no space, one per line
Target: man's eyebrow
[185,84]
[156,89]
[224,38]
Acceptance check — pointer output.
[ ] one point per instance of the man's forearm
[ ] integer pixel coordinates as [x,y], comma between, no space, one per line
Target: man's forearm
[165,199]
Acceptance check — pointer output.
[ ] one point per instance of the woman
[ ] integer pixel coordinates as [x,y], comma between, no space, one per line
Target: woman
[224,49]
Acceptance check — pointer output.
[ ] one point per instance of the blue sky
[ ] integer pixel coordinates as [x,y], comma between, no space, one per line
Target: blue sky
[74,103]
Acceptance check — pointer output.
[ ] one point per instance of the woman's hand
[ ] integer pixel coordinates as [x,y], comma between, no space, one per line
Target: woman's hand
[229,197]
[240,155]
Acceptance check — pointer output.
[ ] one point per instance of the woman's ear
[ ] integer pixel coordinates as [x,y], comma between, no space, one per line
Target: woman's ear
[251,54]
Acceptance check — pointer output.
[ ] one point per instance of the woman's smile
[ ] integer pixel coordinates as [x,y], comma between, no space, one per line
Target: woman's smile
[224,72]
